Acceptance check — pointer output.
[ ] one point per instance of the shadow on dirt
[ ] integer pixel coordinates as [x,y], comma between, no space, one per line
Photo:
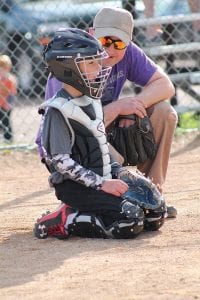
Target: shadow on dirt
[25,198]
[25,257]
[195,143]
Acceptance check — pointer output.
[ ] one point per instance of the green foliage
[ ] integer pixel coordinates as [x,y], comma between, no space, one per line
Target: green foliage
[189,120]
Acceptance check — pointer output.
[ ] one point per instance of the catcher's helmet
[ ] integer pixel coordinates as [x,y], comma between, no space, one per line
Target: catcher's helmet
[67,50]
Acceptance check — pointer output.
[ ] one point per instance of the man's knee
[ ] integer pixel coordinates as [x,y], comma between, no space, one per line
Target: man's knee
[164,113]
[172,117]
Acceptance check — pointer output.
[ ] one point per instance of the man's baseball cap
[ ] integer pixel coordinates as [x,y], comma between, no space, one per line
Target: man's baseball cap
[117,22]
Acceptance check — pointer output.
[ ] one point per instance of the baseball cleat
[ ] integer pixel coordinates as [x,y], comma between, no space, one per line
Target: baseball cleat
[53,224]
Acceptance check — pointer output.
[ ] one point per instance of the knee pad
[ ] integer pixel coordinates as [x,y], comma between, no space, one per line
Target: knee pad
[131,210]
[85,225]
[154,219]
[125,229]
[92,226]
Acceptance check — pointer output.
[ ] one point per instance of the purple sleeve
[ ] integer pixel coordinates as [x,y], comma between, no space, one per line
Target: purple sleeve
[141,67]
[53,85]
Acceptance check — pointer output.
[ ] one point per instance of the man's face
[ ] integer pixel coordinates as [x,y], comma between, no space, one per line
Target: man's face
[115,55]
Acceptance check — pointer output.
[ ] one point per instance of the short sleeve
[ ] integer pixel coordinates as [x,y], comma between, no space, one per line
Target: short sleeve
[56,137]
[140,67]
[52,87]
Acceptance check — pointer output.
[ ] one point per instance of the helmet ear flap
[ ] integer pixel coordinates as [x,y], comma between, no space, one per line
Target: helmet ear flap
[67,73]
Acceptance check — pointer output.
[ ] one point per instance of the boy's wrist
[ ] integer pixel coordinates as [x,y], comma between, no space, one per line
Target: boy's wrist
[99,187]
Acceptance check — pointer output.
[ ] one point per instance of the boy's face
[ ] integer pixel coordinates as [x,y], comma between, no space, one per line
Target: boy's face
[93,73]
[90,68]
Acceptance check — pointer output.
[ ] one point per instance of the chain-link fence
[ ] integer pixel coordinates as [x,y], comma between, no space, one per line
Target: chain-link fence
[167,30]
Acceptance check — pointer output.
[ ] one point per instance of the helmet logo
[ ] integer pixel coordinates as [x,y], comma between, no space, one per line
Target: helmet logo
[63,56]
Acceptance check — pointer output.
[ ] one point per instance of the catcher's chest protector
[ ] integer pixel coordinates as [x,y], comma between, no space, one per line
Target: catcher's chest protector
[89,144]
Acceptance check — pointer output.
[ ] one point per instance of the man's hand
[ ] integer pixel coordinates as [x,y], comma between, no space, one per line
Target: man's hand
[115,187]
[123,106]
[129,105]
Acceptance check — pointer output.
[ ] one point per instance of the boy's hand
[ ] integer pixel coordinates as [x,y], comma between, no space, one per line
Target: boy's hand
[115,187]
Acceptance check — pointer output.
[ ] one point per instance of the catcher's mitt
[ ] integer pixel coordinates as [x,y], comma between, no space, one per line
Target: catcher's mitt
[144,193]
[135,143]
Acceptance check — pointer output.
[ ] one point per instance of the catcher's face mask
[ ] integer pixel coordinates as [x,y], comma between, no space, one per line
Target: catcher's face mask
[93,73]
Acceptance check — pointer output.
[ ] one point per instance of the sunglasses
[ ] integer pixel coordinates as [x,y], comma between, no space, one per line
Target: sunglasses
[106,41]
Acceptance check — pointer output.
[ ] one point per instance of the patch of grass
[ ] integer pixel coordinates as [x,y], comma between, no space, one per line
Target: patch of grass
[189,120]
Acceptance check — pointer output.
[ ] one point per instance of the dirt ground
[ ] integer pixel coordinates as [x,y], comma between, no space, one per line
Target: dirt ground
[156,265]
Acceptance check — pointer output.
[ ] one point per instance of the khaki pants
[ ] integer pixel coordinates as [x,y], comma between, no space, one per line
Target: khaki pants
[164,120]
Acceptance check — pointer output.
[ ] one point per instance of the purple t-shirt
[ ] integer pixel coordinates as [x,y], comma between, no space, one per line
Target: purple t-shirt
[52,87]
[135,66]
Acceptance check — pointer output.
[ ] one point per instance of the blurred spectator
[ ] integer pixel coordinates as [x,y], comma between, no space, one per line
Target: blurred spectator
[8,91]
[195,8]
[166,34]
[153,32]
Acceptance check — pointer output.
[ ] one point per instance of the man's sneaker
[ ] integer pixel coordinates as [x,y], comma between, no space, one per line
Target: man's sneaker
[53,224]
[171,212]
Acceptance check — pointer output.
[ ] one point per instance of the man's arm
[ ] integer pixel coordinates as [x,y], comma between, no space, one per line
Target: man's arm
[157,89]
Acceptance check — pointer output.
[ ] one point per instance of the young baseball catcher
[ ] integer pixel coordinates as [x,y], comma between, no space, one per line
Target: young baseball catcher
[100,198]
